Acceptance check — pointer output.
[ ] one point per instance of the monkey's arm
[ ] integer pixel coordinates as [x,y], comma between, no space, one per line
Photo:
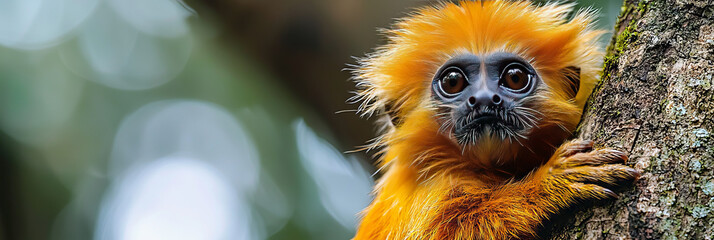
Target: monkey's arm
[515,210]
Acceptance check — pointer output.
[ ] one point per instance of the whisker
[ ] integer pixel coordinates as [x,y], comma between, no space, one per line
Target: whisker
[346,111]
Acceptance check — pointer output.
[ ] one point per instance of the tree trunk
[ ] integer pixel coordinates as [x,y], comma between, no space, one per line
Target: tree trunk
[655,101]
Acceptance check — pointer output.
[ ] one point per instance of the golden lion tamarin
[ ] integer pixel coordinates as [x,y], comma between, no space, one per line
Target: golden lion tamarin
[479,96]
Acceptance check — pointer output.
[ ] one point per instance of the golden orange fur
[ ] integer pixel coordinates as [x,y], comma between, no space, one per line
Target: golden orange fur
[432,187]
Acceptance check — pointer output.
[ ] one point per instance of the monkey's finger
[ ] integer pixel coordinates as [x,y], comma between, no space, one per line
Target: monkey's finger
[611,174]
[576,146]
[592,192]
[595,158]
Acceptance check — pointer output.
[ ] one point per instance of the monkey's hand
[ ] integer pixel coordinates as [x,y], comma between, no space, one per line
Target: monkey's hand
[576,172]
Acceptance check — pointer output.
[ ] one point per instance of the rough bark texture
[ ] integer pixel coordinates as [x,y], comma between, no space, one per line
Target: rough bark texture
[656,101]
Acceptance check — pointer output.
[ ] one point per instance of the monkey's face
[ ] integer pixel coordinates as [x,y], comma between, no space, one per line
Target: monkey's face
[486,97]
[482,79]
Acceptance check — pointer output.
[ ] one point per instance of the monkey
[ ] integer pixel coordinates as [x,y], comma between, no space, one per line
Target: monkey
[478,100]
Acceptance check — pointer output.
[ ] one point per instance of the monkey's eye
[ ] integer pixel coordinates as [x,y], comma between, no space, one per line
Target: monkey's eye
[515,78]
[452,81]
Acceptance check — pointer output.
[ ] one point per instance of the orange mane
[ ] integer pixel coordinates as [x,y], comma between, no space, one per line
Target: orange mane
[421,164]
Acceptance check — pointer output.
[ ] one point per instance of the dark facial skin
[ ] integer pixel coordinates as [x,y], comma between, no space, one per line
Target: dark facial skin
[484,95]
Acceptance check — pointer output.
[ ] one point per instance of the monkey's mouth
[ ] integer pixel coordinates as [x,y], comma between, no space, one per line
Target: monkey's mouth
[494,123]
[480,123]
[486,119]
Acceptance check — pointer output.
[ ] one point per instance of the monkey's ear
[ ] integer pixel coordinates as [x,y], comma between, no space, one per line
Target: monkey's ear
[572,77]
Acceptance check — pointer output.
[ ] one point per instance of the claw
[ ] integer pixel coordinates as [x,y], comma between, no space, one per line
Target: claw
[593,191]
[636,173]
[576,146]
[611,194]
[606,174]
[594,158]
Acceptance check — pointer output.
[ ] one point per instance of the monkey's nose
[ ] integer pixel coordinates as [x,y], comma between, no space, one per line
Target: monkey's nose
[484,98]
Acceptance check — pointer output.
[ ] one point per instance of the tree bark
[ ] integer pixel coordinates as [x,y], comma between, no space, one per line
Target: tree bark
[655,101]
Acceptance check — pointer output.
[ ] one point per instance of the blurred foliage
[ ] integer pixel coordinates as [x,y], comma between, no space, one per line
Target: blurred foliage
[75,74]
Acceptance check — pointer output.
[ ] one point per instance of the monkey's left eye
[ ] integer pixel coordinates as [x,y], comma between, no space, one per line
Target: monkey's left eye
[452,81]
[515,78]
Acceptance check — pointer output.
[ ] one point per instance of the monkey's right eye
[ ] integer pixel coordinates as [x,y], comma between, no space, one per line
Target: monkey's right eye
[452,81]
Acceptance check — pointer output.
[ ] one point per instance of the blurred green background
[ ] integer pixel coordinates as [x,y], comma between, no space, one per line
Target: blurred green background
[204,119]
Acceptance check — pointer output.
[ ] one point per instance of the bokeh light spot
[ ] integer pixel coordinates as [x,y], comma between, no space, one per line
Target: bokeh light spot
[344,184]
